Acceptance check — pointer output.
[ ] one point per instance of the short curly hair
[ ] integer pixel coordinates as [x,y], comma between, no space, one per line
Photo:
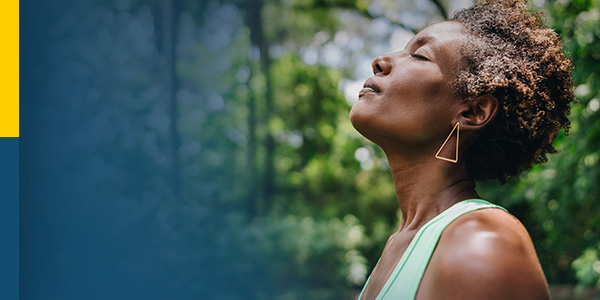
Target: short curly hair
[513,56]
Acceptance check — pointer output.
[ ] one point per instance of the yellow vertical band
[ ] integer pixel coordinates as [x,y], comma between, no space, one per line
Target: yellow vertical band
[9,78]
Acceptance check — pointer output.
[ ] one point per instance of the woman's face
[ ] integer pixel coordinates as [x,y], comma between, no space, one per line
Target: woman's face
[410,101]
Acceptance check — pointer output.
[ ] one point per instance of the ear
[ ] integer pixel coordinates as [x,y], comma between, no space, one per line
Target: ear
[477,114]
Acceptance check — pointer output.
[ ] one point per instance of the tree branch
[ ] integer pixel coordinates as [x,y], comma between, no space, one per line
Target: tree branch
[440,8]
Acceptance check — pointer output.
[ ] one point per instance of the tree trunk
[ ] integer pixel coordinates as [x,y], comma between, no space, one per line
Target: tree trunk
[169,32]
[251,200]
[257,37]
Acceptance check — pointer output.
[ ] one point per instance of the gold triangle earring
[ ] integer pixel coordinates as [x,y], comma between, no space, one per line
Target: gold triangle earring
[455,160]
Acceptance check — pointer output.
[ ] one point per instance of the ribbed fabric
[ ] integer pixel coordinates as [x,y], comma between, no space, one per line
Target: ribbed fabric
[404,281]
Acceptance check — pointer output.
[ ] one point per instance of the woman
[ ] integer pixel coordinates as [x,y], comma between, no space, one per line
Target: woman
[479,97]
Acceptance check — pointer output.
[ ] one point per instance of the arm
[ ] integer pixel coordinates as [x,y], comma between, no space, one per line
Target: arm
[488,255]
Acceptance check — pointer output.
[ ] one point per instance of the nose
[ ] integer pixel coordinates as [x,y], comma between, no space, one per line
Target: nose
[382,65]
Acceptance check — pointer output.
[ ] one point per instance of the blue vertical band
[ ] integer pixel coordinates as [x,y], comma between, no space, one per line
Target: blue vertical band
[9,218]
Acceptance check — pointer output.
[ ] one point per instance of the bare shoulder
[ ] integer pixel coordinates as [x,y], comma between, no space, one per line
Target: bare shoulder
[485,254]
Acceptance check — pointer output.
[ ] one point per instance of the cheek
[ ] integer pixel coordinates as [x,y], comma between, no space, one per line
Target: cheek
[421,113]
[419,86]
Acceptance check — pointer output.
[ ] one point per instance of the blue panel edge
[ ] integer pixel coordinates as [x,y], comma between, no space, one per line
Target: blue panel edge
[9,217]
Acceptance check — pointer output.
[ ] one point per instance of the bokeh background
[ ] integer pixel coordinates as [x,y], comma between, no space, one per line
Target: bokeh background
[202,149]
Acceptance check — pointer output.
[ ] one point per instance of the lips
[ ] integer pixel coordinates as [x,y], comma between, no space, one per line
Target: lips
[369,88]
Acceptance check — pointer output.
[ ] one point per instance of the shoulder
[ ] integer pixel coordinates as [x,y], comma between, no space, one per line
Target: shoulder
[485,254]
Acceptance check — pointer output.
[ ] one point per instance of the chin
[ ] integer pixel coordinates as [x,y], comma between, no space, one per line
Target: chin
[355,117]
[361,121]
[369,125]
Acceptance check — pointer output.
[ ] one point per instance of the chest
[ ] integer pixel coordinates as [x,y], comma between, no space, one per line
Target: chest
[393,251]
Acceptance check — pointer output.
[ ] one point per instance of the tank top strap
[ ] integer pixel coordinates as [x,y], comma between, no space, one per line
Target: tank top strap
[404,281]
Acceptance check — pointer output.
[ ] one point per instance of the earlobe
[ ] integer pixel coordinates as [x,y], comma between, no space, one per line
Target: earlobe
[479,112]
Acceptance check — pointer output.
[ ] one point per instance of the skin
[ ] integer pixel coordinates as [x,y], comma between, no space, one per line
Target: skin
[408,108]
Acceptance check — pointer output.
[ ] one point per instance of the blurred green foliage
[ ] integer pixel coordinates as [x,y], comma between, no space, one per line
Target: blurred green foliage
[587,267]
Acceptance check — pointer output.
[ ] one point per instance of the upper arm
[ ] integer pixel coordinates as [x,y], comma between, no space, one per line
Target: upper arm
[486,254]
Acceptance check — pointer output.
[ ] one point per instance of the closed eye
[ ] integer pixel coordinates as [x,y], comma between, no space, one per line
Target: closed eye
[419,57]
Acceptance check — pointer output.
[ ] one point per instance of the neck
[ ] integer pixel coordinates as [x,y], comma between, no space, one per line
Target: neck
[427,187]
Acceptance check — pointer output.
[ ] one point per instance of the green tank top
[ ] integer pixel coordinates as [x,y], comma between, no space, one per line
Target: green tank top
[404,281]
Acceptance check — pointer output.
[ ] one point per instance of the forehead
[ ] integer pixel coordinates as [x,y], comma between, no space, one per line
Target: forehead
[441,33]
